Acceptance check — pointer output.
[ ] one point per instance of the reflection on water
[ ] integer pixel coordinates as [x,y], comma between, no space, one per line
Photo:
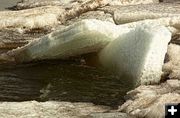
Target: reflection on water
[61,81]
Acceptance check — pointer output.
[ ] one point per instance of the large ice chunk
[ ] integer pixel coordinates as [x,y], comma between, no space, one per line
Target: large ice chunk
[80,38]
[138,56]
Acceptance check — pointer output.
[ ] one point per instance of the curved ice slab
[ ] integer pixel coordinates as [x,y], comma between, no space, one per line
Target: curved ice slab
[80,38]
[135,53]
[138,56]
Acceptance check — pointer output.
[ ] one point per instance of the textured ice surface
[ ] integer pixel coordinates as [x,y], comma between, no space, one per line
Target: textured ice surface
[39,17]
[173,23]
[132,2]
[50,109]
[138,55]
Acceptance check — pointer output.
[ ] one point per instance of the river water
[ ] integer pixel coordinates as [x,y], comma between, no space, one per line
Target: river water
[61,81]
[7,3]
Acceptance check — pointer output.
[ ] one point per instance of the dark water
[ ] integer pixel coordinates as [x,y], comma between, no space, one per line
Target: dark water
[7,3]
[62,81]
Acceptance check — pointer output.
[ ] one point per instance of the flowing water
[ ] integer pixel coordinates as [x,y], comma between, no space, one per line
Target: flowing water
[62,81]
